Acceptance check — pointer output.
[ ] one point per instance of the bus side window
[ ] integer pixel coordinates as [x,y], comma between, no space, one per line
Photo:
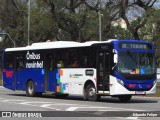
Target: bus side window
[51,62]
[19,62]
[9,61]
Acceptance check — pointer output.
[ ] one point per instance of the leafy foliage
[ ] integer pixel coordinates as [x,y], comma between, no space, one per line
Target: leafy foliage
[75,20]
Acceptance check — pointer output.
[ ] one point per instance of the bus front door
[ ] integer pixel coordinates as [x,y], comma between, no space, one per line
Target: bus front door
[103,70]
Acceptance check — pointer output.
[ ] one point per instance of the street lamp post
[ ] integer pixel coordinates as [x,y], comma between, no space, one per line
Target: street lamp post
[29,11]
[9,38]
[100,21]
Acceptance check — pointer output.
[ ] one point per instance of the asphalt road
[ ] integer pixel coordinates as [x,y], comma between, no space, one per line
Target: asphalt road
[17,105]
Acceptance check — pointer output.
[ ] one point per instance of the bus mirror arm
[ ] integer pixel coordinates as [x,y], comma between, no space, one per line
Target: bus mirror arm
[114,66]
[115,60]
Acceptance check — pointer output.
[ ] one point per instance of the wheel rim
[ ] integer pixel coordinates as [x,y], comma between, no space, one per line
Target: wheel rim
[31,89]
[92,92]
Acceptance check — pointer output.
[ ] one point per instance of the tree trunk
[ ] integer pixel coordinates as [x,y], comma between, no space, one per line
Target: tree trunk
[136,35]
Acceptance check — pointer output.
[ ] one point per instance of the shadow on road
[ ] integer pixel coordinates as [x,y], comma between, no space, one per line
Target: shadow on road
[106,99]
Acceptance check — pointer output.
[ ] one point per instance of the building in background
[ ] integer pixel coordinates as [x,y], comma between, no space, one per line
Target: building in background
[120,22]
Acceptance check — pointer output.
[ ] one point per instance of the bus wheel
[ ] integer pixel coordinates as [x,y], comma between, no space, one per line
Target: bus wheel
[125,98]
[91,93]
[30,89]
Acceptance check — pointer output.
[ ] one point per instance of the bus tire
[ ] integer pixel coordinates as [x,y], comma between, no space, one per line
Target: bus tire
[125,98]
[91,93]
[30,91]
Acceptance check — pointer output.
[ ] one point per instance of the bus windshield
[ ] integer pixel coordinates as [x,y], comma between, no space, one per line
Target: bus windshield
[140,63]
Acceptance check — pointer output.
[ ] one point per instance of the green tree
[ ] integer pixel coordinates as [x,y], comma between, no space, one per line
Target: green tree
[151,31]
[141,6]
[12,20]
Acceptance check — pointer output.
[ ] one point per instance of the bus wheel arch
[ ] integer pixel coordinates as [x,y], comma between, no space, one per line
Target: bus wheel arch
[90,91]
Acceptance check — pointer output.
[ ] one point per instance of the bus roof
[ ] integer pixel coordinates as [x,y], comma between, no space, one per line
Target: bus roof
[64,44]
[56,44]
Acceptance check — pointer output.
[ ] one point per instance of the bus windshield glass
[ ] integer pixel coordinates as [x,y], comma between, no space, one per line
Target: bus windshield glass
[140,63]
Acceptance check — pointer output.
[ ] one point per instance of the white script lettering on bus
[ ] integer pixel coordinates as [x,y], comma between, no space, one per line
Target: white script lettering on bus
[34,63]
[32,56]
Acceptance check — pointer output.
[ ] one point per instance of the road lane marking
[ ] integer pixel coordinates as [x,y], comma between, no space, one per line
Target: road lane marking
[132,118]
[94,107]
[72,108]
[13,100]
[60,104]
[28,103]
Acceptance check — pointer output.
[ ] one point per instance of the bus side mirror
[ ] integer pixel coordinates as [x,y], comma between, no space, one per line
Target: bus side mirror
[115,58]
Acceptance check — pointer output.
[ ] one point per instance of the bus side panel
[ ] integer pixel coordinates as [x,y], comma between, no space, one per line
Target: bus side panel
[8,79]
[71,81]
[37,76]
[19,80]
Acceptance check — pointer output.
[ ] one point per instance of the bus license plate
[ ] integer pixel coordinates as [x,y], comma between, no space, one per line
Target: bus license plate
[140,92]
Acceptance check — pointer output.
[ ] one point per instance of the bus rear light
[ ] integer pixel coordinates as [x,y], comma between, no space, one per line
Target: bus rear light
[132,85]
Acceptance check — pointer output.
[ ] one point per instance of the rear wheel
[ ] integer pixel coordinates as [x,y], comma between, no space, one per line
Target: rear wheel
[91,93]
[30,89]
[125,98]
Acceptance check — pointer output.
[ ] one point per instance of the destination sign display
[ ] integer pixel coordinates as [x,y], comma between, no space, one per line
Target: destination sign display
[141,46]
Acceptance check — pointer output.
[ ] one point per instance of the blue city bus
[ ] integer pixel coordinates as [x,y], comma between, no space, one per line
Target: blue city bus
[118,68]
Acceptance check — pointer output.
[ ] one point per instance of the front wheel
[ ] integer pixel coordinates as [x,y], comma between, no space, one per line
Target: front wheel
[91,93]
[125,98]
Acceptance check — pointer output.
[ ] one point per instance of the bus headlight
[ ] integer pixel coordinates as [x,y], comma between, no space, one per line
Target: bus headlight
[154,82]
[120,82]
